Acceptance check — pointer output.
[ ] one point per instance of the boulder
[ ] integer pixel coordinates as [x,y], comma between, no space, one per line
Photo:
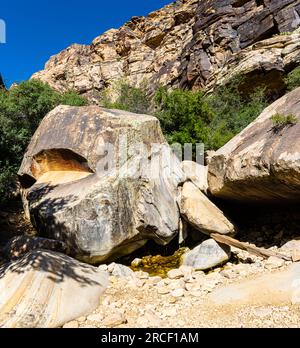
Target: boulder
[280,288]
[102,181]
[196,173]
[45,289]
[20,245]
[201,213]
[207,255]
[262,163]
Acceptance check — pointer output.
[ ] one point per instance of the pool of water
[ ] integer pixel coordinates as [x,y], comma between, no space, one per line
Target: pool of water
[160,265]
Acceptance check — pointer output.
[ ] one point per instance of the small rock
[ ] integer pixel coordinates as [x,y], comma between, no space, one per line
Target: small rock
[161,283]
[171,312]
[111,267]
[274,262]
[263,312]
[177,293]
[95,317]
[207,255]
[175,274]
[142,275]
[103,267]
[154,280]
[163,290]
[81,319]
[196,293]
[136,262]
[121,271]
[178,284]
[71,325]
[114,320]
[296,255]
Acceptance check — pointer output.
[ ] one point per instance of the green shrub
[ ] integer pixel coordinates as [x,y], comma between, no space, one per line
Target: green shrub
[21,110]
[185,116]
[293,79]
[191,116]
[128,98]
[281,121]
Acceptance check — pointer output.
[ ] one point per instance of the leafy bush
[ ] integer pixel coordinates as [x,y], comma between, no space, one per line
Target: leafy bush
[128,98]
[281,121]
[191,116]
[185,116]
[21,110]
[293,79]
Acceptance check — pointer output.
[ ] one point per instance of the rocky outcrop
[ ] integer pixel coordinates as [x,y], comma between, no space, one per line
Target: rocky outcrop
[189,43]
[262,163]
[103,181]
[45,289]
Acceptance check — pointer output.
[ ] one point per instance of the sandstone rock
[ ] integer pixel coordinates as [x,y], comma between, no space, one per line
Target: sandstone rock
[186,44]
[122,271]
[262,163]
[101,203]
[201,213]
[278,288]
[274,262]
[114,320]
[95,317]
[175,274]
[40,289]
[163,290]
[71,325]
[177,293]
[196,173]
[207,255]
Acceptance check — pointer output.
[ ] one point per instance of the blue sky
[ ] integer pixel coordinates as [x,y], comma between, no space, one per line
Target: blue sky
[35,30]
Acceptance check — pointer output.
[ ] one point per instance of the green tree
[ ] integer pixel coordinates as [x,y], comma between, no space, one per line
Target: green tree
[128,98]
[21,110]
[293,79]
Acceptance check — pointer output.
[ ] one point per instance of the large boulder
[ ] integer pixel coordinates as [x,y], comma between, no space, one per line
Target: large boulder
[103,181]
[262,163]
[45,289]
[201,213]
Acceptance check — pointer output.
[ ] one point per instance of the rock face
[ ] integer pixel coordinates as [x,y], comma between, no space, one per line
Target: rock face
[201,213]
[40,290]
[262,163]
[189,43]
[207,255]
[101,203]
